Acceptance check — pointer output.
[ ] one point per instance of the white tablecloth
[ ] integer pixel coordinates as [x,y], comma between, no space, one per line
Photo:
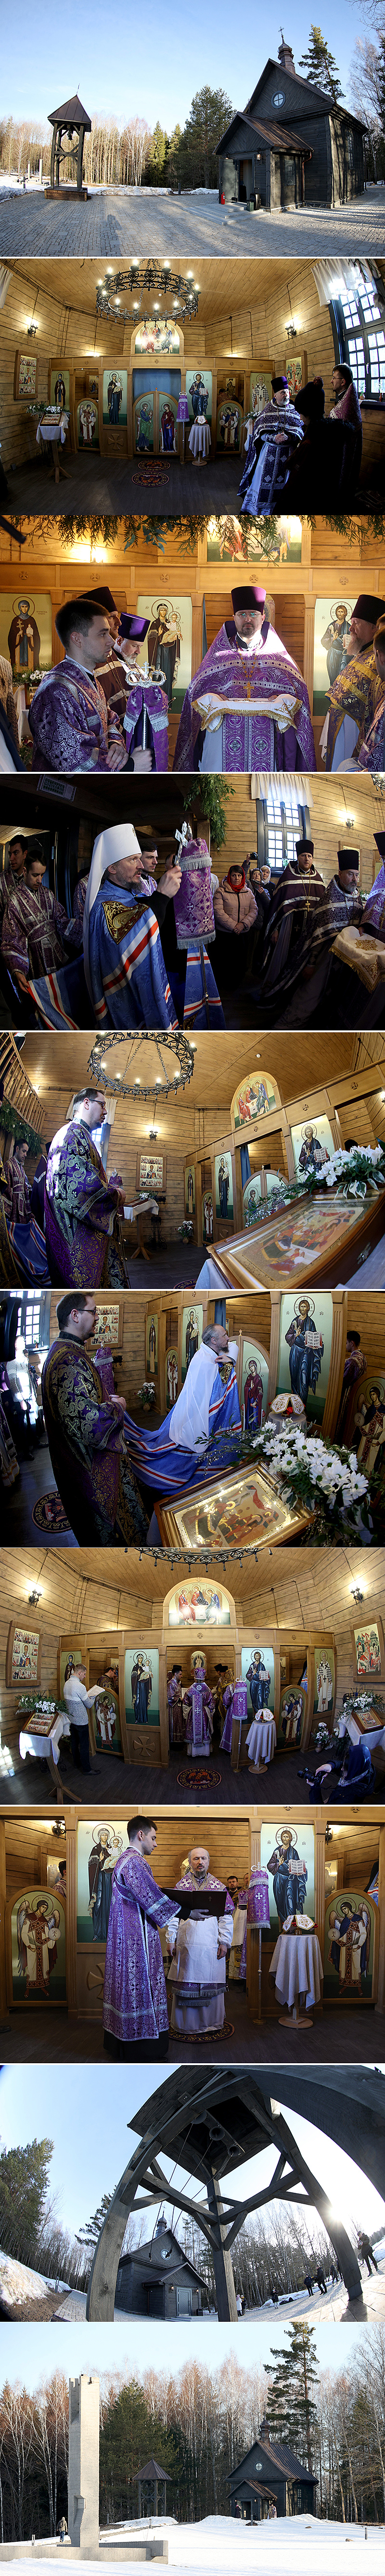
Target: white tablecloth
[360,1734]
[261,1739]
[200,438]
[297,1967]
[47,429]
[42,1745]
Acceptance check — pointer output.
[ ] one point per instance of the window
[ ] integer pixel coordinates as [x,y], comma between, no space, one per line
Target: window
[359,330]
[283,826]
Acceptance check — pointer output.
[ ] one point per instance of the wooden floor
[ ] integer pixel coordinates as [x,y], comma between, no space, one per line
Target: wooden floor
[101,484]
[115,1782]
[336,2038]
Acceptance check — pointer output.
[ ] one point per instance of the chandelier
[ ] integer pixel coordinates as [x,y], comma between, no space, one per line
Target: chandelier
[166,1043]
[144,277]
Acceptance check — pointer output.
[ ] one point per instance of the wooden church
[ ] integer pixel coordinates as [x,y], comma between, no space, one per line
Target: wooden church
[271,2475]
[292,145]
[157,2279]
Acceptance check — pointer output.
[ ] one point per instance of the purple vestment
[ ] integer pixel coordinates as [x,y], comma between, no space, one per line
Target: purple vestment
[227,1704]
[81,1212]
[199,1707]
[255,738]
[71,725]
[87,1449]
[135,2000]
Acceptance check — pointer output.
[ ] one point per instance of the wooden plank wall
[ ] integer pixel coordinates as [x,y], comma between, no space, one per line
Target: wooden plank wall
[248,323]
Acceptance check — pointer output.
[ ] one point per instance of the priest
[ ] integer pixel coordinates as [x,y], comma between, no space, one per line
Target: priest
[199,1707]
[135,2016]
[123,960]
[36,935]
[247,708]
[81,1206]
[197,1976]
[276,432]
[294,911]
[202,1433]
[84,1421]
[356,692]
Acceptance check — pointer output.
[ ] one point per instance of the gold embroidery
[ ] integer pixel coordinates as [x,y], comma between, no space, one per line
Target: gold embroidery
[123,916]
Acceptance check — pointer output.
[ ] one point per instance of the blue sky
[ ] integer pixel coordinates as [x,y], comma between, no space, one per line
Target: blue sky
[103,56]
[85,2109]
[29,2354]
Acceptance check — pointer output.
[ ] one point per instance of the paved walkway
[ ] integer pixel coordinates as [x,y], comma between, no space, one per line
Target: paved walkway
[115,221]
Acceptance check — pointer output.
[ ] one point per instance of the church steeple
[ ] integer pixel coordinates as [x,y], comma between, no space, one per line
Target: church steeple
[285,56]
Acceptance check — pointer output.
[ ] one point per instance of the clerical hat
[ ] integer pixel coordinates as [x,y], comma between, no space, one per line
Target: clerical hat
[101,598]
[279,385]
[304,844]
[349,859]
[379,838]
[135,627]
[370,609]
[247,595]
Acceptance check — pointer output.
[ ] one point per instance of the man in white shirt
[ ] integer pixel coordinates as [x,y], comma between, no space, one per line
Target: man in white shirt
[78,1700]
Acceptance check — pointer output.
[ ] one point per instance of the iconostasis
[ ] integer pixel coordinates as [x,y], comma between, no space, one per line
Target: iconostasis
[283,1695]
[183,586]
[137,342]
[57,1895]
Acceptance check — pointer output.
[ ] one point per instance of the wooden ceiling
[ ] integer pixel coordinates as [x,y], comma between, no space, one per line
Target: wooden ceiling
[227,286]
[59,1064]
[97,1588]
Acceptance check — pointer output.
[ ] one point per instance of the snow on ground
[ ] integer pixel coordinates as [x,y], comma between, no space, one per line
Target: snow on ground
[219,2544]
[335,2306]
[18,2285]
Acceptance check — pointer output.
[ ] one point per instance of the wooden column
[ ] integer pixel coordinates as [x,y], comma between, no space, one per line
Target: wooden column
[320,1832]
[163,1708]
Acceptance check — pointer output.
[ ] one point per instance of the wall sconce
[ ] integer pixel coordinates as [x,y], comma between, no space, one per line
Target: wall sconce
[33,1598]
[290,331]
[31,330]
[357,1595]
[153,1131]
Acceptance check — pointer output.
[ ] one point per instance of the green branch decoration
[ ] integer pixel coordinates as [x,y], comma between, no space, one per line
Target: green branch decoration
[17,1127]
[212,796]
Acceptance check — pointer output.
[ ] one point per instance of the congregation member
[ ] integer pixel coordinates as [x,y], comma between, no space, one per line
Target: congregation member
[197,1976]
[201,1434]
[175,1706]
[36,933]
[81,1206]
[77,1701]
[13,869]
[247,708]
[274,434]
[84,1421]
[135,2015]
[355,692]
[123,959]
[345,405]
[324,472]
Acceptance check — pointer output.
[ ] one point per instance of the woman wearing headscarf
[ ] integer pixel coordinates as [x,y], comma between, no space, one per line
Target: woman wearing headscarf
[123,961]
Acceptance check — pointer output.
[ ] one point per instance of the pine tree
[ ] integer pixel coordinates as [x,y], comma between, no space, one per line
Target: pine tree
[24,2175]
[293,2376]
[320,66]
